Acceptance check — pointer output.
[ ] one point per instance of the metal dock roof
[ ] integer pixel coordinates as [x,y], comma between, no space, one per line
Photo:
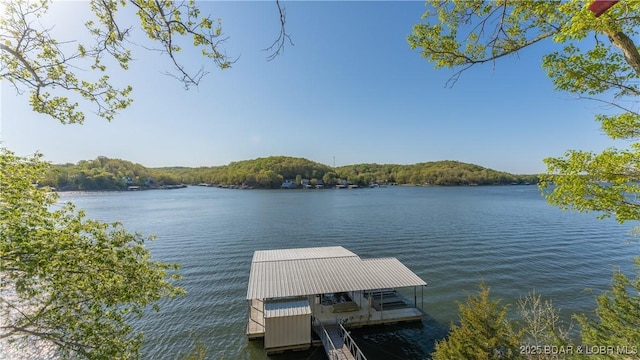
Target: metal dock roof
[284,308]
[309,271]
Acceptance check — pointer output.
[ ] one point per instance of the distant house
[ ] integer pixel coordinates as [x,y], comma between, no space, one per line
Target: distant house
[342,184]
[305,184]
[127,180]
[319,184]
[288,184]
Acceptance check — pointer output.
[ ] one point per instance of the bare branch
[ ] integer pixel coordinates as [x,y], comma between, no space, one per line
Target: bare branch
[610,103]
[468,62]
[278,45]
[455,77]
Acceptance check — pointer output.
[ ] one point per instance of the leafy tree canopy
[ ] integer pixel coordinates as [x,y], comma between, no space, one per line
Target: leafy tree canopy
[596,59]
[66,282]
[62,77]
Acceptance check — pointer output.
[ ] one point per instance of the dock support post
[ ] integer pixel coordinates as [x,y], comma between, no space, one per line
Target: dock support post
[381,305]
[369,307]
[415,298]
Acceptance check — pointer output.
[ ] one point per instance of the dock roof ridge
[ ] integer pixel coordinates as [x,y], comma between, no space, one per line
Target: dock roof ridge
[301,254]
[312,259]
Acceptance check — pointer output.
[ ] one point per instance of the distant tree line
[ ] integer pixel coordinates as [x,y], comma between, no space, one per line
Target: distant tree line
[114,174]
[105,174]
[267,172]
[444,173]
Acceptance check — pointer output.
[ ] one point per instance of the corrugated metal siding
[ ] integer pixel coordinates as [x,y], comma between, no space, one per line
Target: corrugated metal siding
[287,331]
[309,276]
[281,308]
[390,271]
[301,253]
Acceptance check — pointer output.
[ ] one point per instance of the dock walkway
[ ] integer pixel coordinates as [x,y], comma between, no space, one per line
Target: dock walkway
[337,343]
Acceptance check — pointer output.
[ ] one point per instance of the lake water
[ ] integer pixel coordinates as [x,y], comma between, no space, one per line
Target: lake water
[452,237]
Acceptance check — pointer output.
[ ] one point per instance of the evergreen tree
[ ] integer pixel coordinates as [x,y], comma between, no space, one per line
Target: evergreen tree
[617,321]
[484,331]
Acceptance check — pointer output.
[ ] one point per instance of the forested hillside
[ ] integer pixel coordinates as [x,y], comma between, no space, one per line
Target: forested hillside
[431,173]
[105,174]
[115,174]
[267,172]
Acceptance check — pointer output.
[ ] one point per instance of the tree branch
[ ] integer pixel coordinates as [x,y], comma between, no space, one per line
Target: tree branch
[24,62]
[629,49]
[278,45]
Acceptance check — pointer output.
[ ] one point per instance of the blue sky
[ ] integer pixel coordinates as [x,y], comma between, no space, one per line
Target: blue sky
[350,88]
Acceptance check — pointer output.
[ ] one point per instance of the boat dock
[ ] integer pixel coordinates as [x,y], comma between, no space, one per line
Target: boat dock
[327,290]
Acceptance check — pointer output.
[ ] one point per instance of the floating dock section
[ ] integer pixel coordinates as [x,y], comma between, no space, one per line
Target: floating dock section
[292,292]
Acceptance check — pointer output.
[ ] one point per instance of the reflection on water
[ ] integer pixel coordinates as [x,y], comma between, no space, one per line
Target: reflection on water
[25,348]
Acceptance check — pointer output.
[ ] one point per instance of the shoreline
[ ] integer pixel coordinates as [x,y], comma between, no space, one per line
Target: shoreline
[240,187]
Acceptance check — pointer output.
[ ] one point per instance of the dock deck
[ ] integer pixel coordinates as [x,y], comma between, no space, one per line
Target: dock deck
[255,325]
[327,315]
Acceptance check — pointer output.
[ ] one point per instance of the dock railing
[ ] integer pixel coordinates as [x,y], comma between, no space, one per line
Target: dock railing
[350,344]
[334,353]
[326,341]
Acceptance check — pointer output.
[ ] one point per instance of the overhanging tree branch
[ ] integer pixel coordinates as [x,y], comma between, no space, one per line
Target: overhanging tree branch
[458,35]
[629,49]
[277,47]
